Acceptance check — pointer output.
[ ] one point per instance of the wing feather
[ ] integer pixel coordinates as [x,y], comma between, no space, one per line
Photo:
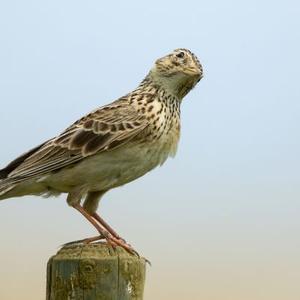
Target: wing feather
[102,130]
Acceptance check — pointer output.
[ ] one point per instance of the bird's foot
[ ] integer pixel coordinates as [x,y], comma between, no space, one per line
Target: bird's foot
[85,241]
[114,242]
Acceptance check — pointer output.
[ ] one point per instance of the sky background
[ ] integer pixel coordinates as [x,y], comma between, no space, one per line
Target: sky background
[221,220]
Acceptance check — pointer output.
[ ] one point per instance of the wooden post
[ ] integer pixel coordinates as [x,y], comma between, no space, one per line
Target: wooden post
[95,272]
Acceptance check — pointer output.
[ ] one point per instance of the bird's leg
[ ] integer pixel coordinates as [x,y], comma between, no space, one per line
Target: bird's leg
[90,206]
[107,227]
[103,232]
[113,241]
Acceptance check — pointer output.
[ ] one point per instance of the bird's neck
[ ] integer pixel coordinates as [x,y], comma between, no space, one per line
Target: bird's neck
[153,98]
[178,85]
[166,90]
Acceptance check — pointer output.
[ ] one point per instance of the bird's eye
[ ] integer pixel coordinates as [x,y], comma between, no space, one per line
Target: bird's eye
[180,54]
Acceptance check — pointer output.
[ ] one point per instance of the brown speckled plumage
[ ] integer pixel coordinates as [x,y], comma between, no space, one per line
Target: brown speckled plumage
[110,146]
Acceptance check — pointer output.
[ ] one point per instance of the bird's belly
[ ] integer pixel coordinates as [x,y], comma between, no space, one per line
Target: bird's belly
[109,169]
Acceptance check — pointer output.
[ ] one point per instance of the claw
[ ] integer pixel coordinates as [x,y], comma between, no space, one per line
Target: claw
[112,241]
[85,241]
[127,247]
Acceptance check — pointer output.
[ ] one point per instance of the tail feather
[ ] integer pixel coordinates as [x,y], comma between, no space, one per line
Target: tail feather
[5,187]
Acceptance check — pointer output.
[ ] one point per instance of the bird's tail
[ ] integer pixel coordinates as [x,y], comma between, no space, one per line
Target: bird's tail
[5,187]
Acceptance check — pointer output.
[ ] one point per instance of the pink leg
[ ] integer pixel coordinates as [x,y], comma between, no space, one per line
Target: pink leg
[106,226]
[110,238]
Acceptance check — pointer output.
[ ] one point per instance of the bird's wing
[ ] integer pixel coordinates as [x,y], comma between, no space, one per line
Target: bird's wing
[102,130]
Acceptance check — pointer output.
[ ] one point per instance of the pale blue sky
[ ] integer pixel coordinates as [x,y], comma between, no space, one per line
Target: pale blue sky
[234,183]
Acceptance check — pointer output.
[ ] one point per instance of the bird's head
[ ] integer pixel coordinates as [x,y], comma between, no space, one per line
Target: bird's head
[177,72]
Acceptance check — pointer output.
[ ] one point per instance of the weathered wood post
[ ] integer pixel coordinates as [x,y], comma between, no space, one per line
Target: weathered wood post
[95,272]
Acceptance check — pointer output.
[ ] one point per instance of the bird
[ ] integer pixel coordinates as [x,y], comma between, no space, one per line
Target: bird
[110,146]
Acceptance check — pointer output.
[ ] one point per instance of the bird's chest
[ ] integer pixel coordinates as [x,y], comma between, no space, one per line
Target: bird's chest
[144,157]
[155,145]
[163,131]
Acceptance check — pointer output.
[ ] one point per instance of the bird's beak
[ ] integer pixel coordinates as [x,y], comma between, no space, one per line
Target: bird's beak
[191,71]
